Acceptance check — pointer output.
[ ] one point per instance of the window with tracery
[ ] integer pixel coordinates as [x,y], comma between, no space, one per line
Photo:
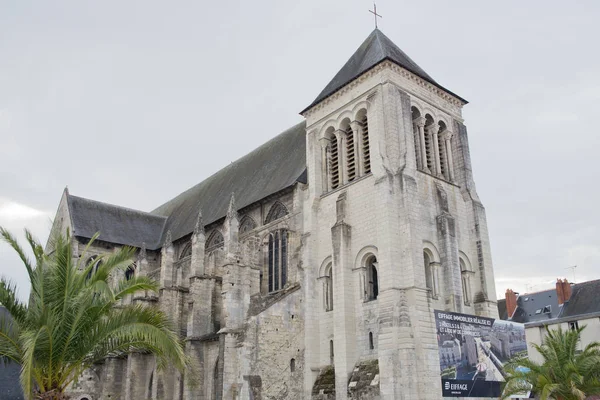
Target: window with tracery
[247,224]
[187,251]
[215,240]
[277,211]
[277,259]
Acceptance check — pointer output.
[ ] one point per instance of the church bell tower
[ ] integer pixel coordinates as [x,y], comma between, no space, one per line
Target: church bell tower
[394,227]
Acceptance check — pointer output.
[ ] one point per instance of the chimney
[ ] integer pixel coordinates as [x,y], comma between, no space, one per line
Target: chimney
[559,292]
[564,294]
[511,302]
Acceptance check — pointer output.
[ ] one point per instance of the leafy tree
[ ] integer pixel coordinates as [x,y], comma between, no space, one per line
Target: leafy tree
[565,374]
[75,317]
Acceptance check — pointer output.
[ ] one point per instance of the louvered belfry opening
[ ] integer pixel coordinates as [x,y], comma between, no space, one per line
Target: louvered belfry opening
[335,164]
[365,145]
[350,156]
[429,153]
[442,151]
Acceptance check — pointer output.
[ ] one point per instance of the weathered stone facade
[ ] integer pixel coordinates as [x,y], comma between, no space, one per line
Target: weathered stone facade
[326,288]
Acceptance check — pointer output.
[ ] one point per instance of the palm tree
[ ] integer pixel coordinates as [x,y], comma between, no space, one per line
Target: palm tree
[565,374]
[74,317]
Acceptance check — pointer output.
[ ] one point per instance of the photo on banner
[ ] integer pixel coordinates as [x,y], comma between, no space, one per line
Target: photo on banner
[473,351]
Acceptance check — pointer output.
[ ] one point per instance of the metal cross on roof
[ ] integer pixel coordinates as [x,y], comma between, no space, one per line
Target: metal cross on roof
[375,15]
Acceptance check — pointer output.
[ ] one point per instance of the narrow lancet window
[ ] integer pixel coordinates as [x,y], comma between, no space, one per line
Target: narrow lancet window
[277,260]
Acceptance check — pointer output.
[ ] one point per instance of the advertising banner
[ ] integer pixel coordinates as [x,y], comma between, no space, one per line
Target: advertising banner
[473,351]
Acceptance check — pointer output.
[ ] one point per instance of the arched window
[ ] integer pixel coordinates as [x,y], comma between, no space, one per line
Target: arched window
[350,156]
[328,288]
[130,272]
[372,279]
[292,365]
[187,251]
[364,143]
[277,211]
[247,224]
[215,240]
[371,344]
[431,264]
[417,133]
[429,152]
[333,161]
[442,152]
[93,260]
[277,259]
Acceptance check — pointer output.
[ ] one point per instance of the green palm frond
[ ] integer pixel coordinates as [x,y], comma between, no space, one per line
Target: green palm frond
[565,372]
[76,317]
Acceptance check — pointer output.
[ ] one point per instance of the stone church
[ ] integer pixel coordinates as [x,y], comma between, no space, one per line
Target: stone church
[310,268]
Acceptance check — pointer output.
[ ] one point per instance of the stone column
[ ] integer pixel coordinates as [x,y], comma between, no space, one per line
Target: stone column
[344,325]
[325,165]
[421,127]
[447,137]
[433,131]
[112,382]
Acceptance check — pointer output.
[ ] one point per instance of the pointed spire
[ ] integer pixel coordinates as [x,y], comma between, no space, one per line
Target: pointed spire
[232,212]
[199,228]
[67,190]
[168,240]
[142,255]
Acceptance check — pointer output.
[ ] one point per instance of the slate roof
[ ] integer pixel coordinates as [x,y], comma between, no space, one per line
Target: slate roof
[116,224]
[538,306]
[531,307]
[274,166]
[10,387]
[375,49]
[585,299]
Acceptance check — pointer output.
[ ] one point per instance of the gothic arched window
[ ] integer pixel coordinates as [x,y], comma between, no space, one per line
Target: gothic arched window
[93,263]
[130,272]
[277,259]
[246,224]
[187,251]
[215,240]
[372,279]
[277,211]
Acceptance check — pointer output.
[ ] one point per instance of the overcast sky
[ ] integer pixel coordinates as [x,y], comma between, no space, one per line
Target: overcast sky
[132,102]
